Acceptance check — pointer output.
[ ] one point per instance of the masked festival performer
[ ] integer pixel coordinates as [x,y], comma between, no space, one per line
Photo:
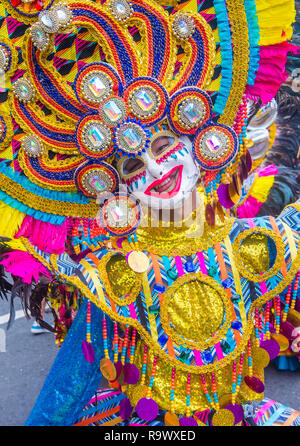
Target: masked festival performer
[124,133]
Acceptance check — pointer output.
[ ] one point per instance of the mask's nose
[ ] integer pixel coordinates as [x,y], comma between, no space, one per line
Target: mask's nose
[153,168]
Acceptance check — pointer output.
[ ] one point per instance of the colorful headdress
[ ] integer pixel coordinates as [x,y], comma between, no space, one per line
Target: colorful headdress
[84,81]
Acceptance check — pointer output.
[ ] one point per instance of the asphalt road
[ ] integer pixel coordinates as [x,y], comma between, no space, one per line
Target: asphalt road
[27,360]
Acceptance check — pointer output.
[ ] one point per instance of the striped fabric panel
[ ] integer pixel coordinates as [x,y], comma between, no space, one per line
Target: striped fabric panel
[272,413]
[102,410]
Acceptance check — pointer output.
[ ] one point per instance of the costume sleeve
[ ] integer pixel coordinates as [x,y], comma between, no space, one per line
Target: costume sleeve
[72,381]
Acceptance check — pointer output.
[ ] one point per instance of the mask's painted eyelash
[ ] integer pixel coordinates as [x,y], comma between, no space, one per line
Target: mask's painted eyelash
[131,180]
[178,147]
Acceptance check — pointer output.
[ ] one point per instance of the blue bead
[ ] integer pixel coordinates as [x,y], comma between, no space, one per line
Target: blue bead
[159,288]
[207,356]
[236,325]
[189,266]
[227,282]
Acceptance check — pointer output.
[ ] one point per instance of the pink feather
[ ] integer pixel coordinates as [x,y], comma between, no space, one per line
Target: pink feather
[24,265]
[45,236]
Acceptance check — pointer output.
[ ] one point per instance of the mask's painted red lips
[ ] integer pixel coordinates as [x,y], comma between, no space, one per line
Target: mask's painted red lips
[168,186]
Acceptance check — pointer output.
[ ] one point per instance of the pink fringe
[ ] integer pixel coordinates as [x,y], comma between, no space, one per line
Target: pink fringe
[271,73]
[268,170]
[24,265]
[45,236]
[249,208]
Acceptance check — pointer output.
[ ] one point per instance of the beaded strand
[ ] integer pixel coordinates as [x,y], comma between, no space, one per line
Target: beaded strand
[116,343]
[249,352]
[153,373]
[125,345]
[214,389]
[172,395]
[188,395]
[277,307]
[287,303]
[256,324]
[295,291]
[205,391]
[144,367]
[105,344]
[88,322]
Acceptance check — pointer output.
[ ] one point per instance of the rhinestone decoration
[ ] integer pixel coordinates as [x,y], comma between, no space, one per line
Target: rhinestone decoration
[96,86]
[120,214]
[113,111]
[183,26]
[96,136]
[49,21]
[23,90]
[144,102]
[131,138]
[39,37]
[63,14]
[213,145]
[32,146]
[97,182]
[191,113]
[120,9]
[4,58]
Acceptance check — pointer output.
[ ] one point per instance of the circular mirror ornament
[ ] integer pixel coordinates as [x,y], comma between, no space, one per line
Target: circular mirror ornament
[147,100]
[39,36]
[183,26]
[215,146]
[131,139]
[32,146]
[63,14]
[113,111]
[95,82]
[96,179]
[120,215]
[93,138]
[23,90]
[49,21]
[120,9]
[190,108]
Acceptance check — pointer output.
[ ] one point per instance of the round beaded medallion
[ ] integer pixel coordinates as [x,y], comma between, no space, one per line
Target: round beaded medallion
[147,100]
[63,14]
[215,146]
[113,111]
[93,138]
[23,90]
[4,58]
[144,102]
[131,139]
[183,26]
[96,86]
[190,108]
[32,146]
[95,82]
[96,179]
[49,21]
[120,215]
[191,112]
[39,36]
[120,9]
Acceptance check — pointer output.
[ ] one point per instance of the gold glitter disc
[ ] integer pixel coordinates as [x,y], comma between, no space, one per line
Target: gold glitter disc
[261,358]
[108,369]
[171,419]
[223,417]
[138,261]
[282,341]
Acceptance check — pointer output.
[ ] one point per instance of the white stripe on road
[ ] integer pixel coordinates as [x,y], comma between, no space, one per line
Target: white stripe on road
[4,319]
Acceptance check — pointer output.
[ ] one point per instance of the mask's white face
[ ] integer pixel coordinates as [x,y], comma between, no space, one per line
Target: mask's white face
[165,175]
